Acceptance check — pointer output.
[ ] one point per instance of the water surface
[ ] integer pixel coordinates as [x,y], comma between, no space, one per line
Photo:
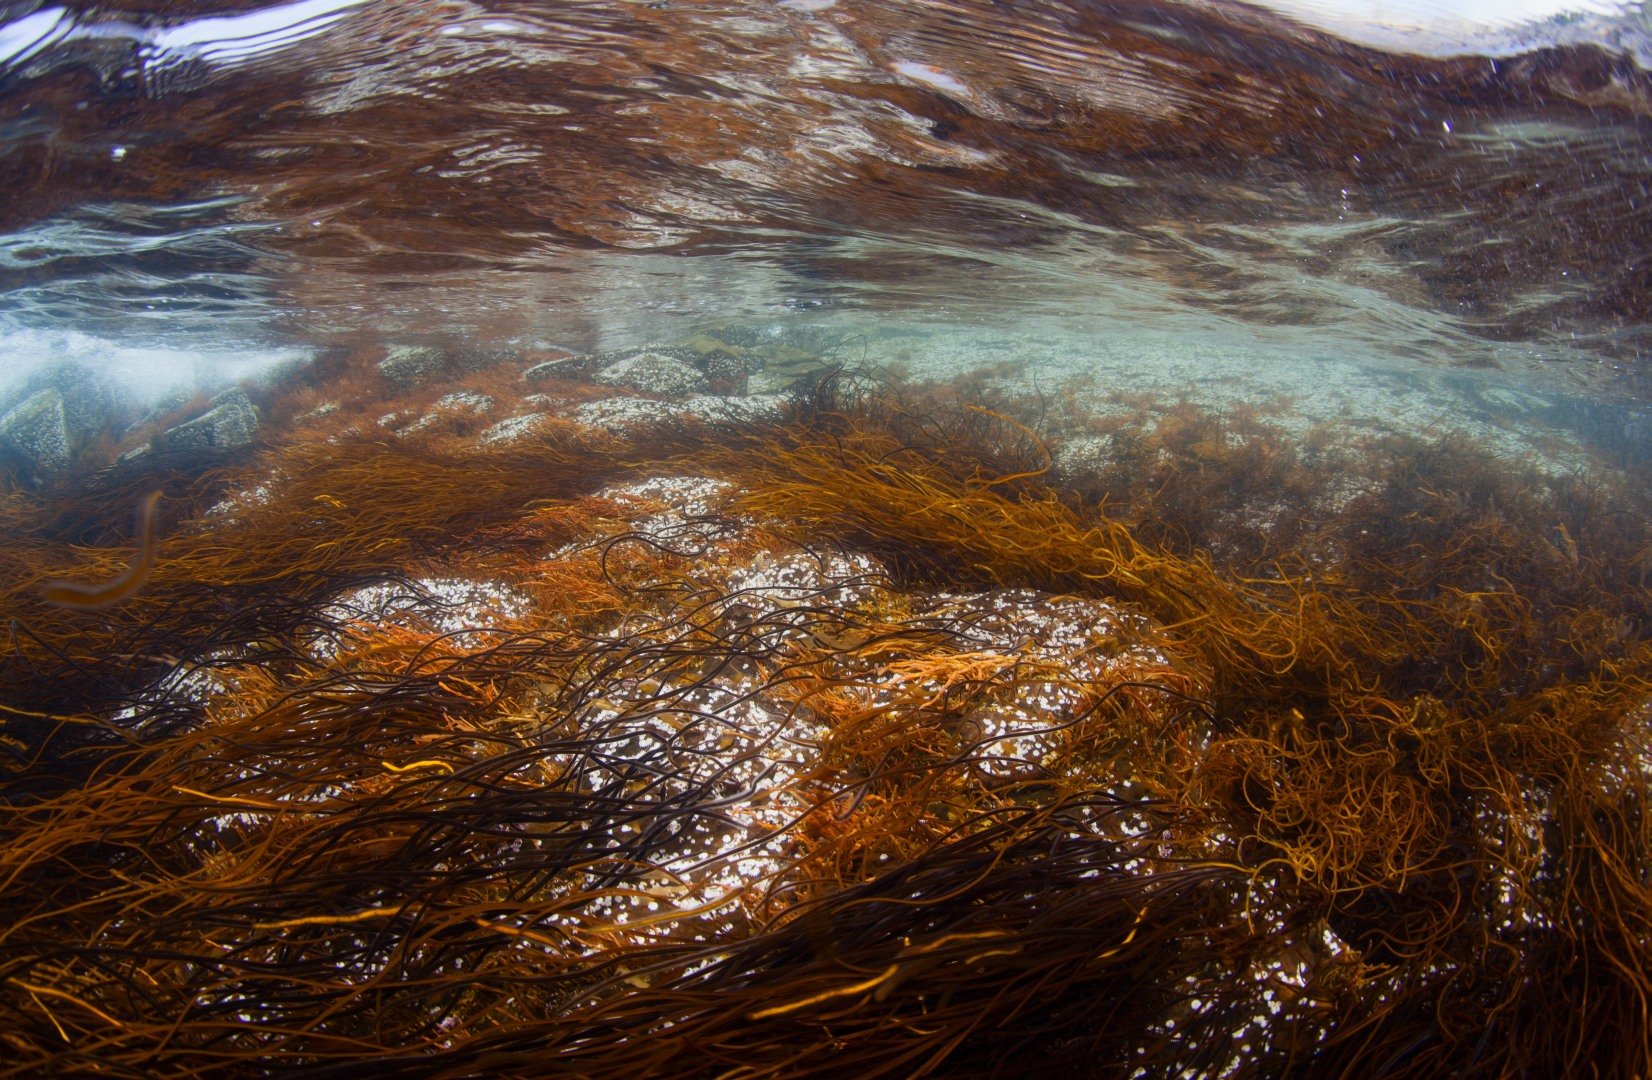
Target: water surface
[596,174]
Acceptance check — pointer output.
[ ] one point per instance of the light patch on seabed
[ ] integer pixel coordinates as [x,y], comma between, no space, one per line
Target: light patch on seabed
[467,610]
[1324,386]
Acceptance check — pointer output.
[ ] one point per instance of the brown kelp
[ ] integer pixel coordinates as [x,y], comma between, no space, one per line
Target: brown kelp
[858,741]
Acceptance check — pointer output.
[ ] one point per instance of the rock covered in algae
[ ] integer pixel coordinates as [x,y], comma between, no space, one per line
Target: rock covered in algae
[560,368]
[52,415]
[88,398]
[38,431]
[653,373]
[408,366]
[1235,761]
[229,424]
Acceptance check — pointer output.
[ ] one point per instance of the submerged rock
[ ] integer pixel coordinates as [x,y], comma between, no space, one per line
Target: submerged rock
[616,414]
[511,429]
[409,365]
[52,415]
[229,423]
[469,359]
[466,402]
[551,369]
[37,431]
[88,398]
[170,403]
[653,373]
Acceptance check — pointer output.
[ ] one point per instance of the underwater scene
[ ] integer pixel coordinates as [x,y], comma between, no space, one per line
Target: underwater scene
[826,538]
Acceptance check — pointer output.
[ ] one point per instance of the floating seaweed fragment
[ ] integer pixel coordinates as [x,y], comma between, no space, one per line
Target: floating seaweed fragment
[123,585]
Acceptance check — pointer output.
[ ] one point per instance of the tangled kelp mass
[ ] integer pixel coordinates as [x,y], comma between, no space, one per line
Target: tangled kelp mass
[878,735]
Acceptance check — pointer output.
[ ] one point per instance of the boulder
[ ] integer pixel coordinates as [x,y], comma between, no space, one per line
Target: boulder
[409,365]
[617,414]
[511,429]
[465,403]
[71,404]
[171,402]
[229,422]
[653,373]
[88,398]
[566,365]
[37,432]
[469,359]
[551,369]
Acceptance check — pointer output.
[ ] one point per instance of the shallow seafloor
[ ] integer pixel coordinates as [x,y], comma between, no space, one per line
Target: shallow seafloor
[825,538]
[556,713]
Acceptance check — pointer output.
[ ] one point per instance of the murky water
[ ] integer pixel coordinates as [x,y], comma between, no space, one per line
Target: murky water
[825,538]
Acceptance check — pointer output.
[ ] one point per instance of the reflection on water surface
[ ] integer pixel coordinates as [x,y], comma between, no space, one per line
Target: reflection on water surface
[327,169]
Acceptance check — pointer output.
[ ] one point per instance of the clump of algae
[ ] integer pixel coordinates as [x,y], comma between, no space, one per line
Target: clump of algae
[882,754]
